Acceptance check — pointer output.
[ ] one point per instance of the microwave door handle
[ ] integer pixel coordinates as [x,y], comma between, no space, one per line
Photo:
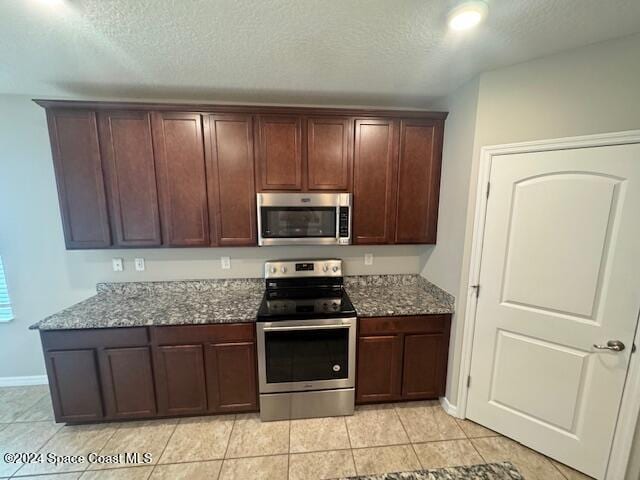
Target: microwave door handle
[305,327]
[339,203]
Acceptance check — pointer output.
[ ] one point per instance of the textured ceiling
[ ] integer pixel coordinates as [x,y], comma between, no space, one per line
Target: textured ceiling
[356,52]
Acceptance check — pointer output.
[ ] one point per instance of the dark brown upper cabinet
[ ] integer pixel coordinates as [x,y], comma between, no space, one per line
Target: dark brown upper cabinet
[418,187]
[129,165]
[279,152]
[182,182]
[230,169]
[149,175]
[329,153]
[76,160]
[374,173]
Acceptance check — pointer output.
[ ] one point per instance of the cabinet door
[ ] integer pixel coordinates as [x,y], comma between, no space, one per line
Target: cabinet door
[127,382]
[373,181]
[127,154]
[425,365]
[182,181]
[180,381]
[279,153]
[232,194]
[75,387]
[329,153]
[379,368]
[418,181]
[78,170]
[231,377]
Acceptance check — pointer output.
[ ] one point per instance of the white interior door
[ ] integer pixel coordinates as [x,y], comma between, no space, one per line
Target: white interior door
[560,272]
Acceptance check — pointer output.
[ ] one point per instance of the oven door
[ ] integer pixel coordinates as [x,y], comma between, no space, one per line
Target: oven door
[302,355]
[303,219]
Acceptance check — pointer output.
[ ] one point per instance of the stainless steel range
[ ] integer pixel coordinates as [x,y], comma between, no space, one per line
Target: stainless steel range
[306,341]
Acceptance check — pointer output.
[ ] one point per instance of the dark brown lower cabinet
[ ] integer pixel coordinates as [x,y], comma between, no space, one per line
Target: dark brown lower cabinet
[75,385]
[127,382]
[231,377]
[402,358]
[122,373]
[424,365]
[180,380]
[379,368]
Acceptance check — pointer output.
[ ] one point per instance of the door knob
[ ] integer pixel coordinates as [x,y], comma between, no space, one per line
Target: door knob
[615,345]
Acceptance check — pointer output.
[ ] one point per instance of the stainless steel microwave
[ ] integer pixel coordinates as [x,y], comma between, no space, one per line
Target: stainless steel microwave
[304,218]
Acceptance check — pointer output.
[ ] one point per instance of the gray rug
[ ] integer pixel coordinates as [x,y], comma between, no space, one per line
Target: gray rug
[485,471]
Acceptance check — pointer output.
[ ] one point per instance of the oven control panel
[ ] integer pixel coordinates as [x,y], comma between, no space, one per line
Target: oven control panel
[303,268]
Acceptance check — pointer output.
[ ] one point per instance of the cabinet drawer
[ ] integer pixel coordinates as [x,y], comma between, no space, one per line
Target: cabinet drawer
[180,334]
[405,324]
[94,338]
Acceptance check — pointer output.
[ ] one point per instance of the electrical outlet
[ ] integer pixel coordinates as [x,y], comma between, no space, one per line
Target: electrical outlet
[139,263]
[225,262]
[117,264]
[368,258]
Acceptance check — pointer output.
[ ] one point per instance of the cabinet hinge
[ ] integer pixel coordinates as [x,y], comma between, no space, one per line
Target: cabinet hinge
[468,381]
[477,289]
[488,188]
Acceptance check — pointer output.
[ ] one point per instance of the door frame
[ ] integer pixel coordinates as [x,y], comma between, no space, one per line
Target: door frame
[629,413]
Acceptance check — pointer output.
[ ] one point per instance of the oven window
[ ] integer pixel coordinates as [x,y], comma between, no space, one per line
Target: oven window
[303,356]
[298,222]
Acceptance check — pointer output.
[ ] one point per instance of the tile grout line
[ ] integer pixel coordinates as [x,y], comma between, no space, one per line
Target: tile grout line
[115,430]
[470,440]
[224,455]
[175,427]
[413,448]
[305,452]
[38,449]
[289,453]
[476,449]
[559,471]
[353,457]
[16,420]
[117,427]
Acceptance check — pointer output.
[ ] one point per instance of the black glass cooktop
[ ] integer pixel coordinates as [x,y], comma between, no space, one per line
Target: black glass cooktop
[301,303]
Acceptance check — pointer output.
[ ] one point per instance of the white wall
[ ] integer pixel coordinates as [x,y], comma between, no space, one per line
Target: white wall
[442,264]
[594,89]
[44,278]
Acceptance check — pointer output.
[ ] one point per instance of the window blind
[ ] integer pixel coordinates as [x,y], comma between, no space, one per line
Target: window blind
[6,313]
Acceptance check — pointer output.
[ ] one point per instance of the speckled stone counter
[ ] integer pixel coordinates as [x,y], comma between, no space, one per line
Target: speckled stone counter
[138,304]
[391,295]
[199,302]
[489,471]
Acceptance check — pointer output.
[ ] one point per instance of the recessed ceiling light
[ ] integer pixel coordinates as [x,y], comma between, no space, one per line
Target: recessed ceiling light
[467,15]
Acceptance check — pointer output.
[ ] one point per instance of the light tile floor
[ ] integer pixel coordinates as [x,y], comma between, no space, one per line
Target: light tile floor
[377,439]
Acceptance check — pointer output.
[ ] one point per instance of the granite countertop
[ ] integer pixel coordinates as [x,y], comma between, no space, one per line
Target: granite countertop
[485,471]
[197,302]
[391,295]
[140,304]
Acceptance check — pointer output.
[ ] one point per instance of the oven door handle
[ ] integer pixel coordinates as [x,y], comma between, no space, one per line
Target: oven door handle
[306,327]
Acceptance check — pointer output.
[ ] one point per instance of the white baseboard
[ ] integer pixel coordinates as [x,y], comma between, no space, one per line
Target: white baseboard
[22,381]
[447,407]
